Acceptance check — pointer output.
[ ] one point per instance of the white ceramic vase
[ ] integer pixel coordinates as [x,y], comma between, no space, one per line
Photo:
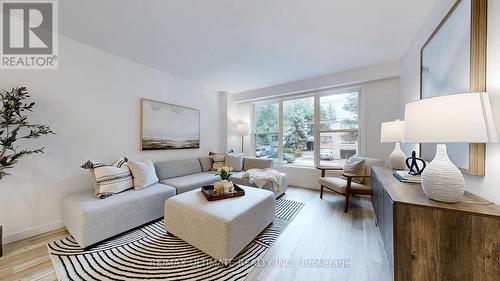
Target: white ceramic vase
[228,186]
[442,180]
[397,159]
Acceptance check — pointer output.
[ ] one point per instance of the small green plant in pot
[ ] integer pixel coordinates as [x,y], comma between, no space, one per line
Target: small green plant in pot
[225,174]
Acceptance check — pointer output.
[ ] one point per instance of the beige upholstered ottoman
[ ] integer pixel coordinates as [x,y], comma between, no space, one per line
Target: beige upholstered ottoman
[219,228]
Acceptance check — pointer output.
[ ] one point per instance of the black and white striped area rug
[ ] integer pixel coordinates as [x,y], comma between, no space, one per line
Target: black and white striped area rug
[149,253]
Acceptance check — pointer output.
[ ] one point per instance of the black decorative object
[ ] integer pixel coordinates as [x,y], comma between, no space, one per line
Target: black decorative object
[1,245]
[413,166]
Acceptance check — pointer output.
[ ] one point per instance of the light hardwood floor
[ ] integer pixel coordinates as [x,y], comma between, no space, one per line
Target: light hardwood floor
[321,232]
[28,259]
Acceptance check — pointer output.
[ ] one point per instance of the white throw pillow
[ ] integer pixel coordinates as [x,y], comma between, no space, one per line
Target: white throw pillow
[235,161]
[355,168]
[109,179]
[144,173]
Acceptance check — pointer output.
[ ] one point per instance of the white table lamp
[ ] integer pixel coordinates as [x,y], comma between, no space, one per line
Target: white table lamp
[451,118]
[242,129]
[393,132]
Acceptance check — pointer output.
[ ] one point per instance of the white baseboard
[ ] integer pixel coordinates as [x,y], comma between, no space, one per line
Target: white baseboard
[30,232]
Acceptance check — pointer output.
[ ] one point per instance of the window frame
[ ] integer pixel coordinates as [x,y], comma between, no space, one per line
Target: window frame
[316,94]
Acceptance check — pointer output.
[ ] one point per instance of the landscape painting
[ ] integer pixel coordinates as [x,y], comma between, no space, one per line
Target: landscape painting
[168,126]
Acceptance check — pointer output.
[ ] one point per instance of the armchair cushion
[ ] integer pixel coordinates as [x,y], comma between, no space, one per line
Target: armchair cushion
[369,162]
[340,185]
[355,167]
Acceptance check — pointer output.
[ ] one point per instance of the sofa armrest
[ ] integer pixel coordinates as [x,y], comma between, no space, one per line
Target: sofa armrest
[257,163]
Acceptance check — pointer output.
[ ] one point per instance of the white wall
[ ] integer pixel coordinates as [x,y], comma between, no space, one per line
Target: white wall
[92,103]
[238,112]
[379,102]
[487,186]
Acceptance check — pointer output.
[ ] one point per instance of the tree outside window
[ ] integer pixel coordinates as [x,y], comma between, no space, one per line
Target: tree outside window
[338,129]
[298,131]
[266,130]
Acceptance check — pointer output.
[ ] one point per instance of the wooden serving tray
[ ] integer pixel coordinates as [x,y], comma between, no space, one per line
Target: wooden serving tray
[208,191]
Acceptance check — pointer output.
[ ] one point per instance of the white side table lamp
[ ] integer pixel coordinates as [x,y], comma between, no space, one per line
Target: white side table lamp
[393,132]
[452,118]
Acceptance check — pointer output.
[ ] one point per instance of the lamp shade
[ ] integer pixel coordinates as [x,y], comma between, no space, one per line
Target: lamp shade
[451,118]
[392,131]
[243,128]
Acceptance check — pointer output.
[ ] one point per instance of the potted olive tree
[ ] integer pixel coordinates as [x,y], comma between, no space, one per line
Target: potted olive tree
[15,127]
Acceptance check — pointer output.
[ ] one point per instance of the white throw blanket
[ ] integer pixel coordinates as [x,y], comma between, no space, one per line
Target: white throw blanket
[261,177]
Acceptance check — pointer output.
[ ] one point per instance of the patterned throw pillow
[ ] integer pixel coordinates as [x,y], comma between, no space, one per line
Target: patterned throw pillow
[355,168]
[109,179]
[219,160]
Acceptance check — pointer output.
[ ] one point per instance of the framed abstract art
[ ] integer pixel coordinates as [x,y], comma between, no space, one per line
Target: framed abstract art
[453,60]
[168,126]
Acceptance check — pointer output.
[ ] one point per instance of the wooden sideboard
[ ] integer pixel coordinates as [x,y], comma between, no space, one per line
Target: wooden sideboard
[429,240]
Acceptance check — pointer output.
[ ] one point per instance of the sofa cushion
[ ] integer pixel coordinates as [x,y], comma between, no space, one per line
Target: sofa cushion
[90,220]
[144,173]
[206,163]
[257,163]
[177,168]
[190,182]
[235,161]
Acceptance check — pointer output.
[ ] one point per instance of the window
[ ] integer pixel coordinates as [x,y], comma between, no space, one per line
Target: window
[298,131]
[338,128]
[266,130]
[333,118]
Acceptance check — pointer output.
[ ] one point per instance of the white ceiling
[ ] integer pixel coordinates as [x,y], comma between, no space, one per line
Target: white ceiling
[235,45]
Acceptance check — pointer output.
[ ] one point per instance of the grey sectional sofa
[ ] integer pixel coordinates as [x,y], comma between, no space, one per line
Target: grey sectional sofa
[91,220]
[186,175]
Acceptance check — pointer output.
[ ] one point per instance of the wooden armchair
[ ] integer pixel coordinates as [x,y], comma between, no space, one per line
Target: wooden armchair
[345,185]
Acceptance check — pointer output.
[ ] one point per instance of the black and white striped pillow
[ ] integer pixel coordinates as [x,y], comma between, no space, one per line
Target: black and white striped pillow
[109,179]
